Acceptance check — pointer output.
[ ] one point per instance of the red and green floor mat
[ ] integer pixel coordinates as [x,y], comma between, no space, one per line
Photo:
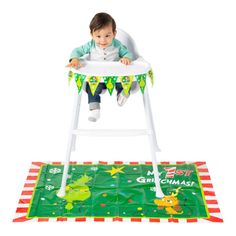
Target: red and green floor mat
[119,191]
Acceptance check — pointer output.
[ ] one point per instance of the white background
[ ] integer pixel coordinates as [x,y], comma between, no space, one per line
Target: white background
[191,46]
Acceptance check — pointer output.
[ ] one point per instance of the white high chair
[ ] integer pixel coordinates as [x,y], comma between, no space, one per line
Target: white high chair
[138,66]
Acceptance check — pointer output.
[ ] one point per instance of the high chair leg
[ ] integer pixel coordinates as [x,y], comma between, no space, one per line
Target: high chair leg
[149,118]
[153,142]
[76,120]
[71,143]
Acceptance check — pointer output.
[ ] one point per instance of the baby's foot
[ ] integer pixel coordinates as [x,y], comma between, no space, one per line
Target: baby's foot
[94,115]
[122,98]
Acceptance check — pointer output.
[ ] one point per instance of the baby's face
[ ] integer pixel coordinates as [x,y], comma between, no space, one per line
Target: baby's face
[103,37]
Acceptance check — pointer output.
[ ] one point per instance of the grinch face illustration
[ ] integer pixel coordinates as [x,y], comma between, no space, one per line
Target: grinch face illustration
[77,191]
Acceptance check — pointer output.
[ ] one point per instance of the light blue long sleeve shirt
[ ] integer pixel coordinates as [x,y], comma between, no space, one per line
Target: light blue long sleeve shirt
[113,52]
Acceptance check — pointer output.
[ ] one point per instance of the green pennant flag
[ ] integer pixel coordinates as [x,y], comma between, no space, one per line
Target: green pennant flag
[79,79]
[70,76]
[126,82]
[110,82]
[151,76]
[93,83]
[141,81]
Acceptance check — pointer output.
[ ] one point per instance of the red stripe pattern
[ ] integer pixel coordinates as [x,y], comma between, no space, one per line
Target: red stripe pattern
[212,204]
[26,194]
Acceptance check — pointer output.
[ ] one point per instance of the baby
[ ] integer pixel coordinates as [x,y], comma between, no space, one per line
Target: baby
[102,47]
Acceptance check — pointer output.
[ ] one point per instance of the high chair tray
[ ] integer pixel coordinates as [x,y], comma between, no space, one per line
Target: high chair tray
[113,68]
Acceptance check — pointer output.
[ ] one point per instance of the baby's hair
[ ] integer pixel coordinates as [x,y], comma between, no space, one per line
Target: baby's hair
[101,20]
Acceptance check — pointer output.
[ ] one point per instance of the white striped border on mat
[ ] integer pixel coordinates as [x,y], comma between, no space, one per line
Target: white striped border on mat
[210,197]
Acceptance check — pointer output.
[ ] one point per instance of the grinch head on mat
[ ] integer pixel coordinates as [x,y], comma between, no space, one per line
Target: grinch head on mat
[170,203]
[77,191]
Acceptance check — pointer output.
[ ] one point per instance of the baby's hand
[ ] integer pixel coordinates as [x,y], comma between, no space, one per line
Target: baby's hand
[125,61]
[75,63]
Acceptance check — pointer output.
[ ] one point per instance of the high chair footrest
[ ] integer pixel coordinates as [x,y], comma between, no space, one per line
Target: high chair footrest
[112,132]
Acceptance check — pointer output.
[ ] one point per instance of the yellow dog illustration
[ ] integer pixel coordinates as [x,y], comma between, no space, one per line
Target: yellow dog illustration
[170,203]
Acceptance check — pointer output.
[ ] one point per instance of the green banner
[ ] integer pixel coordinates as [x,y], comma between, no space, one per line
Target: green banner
[93,83]
[79,79]
[110,82]
[141,79]
[126,82]
[151,76]
[70,76]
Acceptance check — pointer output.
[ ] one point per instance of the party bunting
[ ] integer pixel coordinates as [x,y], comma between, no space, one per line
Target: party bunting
[79,79]
[110,83]
[93,83]
[141,81]
[126,82]
[151,76]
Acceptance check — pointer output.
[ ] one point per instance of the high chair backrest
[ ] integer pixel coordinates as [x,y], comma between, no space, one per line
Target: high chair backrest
[126,40]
